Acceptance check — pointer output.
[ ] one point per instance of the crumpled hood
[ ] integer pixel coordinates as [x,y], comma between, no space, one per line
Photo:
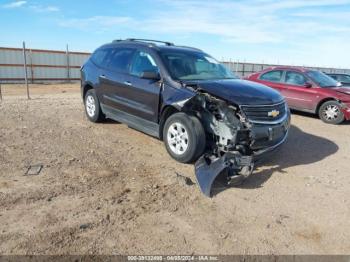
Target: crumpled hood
[240,92]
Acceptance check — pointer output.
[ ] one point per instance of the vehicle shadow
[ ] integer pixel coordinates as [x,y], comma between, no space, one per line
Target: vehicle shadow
[300,149]
[301,113]
[109,121]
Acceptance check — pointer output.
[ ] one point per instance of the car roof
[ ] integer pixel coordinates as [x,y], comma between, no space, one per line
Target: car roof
[338,74]
[296,68]
[154,44]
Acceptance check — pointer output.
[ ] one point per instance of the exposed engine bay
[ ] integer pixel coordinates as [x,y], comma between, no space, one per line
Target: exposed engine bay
[230,138]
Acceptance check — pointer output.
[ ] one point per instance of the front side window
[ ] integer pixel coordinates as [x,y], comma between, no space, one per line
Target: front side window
[190,65]
[322,79]
[335,77]
[119,59]
[272,76]
[295,78]
[142,62]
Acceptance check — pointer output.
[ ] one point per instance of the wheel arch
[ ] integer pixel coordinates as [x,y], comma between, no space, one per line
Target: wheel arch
[86,88]
[324,101]
[166,113]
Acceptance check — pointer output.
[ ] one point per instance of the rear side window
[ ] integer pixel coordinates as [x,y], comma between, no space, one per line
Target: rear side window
[272,76]
[143,62]
[99,56]
[119,59]
[295,78]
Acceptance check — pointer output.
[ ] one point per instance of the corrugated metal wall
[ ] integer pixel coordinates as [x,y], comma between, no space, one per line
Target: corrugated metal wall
[42,65]
[53,65]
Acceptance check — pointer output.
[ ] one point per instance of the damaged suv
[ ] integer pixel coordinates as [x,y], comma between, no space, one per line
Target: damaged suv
[186,98]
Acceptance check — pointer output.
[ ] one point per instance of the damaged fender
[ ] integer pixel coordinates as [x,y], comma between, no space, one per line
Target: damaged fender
[230,136]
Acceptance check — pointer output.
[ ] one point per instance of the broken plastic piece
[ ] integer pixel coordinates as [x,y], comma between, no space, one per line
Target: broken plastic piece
[208,168]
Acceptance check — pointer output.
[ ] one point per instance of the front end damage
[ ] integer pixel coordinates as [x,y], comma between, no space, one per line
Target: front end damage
[234,142]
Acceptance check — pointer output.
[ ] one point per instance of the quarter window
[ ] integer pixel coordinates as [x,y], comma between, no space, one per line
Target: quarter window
[141,63]
[295,78]
[272,76]
[99,56]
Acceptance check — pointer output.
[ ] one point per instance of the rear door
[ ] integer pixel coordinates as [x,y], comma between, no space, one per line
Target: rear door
[296,93]
[114,78]
[273,79]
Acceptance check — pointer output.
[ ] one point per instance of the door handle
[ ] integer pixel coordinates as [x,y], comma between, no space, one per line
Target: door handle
[128,83]
[103,76]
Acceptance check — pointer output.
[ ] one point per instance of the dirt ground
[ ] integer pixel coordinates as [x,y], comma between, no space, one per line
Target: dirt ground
[108,189]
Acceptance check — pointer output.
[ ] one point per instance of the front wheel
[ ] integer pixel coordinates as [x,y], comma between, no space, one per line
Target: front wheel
[184,137]
[330,112]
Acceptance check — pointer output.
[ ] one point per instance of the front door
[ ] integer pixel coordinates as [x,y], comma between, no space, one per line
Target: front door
[297,93]
[144,93]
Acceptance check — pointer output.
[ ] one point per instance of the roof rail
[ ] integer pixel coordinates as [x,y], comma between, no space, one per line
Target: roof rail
[190,47]
[150,40]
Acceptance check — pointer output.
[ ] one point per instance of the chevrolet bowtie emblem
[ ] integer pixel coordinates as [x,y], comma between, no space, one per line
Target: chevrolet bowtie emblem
[273,113]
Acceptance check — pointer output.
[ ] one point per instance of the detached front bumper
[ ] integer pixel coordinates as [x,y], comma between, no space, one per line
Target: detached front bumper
[236,166]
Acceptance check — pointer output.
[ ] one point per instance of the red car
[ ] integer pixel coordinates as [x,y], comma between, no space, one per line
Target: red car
[308,90]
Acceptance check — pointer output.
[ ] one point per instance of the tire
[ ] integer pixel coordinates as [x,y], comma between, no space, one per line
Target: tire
[330,113]
[92,107]
[184,137]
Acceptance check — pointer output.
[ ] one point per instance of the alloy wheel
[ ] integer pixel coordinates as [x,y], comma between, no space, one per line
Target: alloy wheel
[177,138]
[90,106]
[331,112]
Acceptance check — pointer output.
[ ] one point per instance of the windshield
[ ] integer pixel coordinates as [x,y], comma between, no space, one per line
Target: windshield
[344,78]
[184,65]
[322,79]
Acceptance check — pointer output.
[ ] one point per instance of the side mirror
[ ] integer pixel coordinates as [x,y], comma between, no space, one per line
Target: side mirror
[152,75]
[308,85]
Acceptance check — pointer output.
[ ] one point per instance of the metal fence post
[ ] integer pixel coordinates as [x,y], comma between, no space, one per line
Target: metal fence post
[25,69]
[243,69]
[67,56]
[0,93]
[31,66]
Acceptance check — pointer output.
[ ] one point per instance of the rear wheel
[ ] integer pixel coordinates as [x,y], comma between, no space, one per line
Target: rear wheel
[92,107]
[330,112]
[184,137]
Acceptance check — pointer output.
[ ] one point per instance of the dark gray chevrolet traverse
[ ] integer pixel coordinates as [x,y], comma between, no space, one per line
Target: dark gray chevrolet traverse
[183,96]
